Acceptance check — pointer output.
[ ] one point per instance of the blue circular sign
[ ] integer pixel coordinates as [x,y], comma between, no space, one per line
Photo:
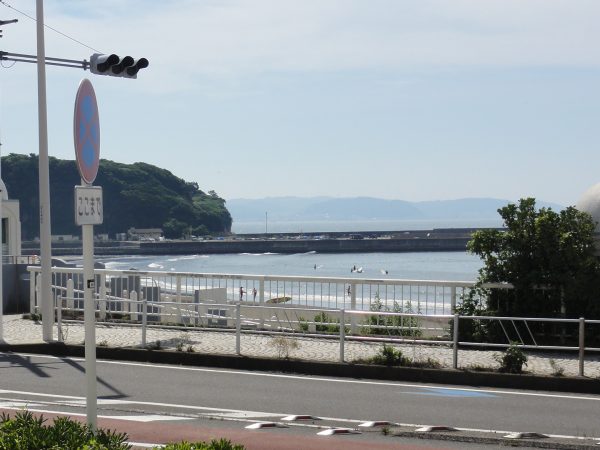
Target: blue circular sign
[86,132]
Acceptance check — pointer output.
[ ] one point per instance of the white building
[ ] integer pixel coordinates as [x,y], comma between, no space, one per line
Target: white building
[11,225]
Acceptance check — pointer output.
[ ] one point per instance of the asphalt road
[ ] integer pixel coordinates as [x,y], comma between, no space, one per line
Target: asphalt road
[181,398]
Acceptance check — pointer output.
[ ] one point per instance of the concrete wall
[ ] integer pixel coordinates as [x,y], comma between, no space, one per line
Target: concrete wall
[15,288]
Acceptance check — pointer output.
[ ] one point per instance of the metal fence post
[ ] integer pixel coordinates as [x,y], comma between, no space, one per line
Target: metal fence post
[353,307]
[453,299]
[144,320]
[59,319]
[102,299]
[178,288]
[71,296]
[34,302]
[455,342]
[261,299]
[238,328]
[132,305]
[581,345]
[342,333]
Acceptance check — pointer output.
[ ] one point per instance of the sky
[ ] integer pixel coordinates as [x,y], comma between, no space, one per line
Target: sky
[397,99]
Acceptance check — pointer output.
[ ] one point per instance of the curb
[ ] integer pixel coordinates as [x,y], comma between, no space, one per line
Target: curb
[580,385]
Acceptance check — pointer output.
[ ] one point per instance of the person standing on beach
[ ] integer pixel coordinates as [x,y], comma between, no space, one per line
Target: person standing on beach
[254,294]
[242,292]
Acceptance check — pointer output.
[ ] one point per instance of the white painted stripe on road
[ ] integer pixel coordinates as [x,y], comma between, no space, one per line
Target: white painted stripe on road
[136,418]
[5,391]
[80,401]
[147,418]
[100,401]
[245,415]
[145,445]
[17,404]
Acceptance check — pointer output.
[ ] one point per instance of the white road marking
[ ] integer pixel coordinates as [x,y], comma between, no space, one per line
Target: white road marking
[147,418]
[17,404]
[133,418]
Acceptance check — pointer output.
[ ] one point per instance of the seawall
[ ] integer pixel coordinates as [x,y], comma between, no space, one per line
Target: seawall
[436,240]
[307,245]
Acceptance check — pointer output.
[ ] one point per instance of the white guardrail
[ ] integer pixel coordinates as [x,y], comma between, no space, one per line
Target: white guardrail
[392,310]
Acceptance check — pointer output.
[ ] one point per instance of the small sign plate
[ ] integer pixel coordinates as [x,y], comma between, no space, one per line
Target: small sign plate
[89,206]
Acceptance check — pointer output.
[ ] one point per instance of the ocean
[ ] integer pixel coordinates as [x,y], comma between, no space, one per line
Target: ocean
[453,266]
[277,226]
[442,266]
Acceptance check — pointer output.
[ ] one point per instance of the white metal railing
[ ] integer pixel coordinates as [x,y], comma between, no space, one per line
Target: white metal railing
[342,324]
[395,310]
[418,296]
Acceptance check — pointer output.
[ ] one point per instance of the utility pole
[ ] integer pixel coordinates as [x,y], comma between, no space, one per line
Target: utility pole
[44,179]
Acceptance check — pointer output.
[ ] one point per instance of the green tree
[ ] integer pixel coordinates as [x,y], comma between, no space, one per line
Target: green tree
[547,256]
[174,229]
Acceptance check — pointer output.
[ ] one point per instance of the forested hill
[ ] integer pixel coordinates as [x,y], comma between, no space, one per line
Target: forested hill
[135,195]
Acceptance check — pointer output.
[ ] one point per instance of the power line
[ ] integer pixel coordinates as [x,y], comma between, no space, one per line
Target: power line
[49,27]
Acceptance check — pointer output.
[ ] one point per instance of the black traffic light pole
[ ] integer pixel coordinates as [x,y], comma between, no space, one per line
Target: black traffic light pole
[20,57]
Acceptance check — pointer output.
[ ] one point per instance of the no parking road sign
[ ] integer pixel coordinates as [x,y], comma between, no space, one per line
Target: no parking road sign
[86,132]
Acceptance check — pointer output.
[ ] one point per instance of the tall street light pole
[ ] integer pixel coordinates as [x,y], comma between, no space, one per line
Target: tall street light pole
[44,179]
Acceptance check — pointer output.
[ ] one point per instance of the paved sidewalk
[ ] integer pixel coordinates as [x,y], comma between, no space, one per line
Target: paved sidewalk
[24,331]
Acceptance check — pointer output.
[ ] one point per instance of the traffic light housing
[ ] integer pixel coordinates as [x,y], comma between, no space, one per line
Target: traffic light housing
[115,66]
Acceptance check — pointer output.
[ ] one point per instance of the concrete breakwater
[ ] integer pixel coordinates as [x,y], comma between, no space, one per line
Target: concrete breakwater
[442,240]
[306,245]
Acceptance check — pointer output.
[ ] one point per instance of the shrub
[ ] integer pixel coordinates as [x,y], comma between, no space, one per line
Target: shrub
[512,360]
[389,356]
[302,323]
[154,346]
[328,323]
[284,346]
[222,444]
[26,431]
[397,325]
[557,370]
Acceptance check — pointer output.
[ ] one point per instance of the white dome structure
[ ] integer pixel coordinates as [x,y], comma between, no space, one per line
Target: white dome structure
[11,224]
[3,189]
[590,203]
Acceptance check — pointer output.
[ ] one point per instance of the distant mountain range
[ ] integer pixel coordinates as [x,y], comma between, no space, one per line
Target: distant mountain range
[365,208]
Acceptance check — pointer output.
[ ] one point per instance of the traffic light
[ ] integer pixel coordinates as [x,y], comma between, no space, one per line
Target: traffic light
[115,66]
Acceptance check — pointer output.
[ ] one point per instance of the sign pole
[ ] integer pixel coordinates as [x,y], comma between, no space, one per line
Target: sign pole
[87,232]
[88,212]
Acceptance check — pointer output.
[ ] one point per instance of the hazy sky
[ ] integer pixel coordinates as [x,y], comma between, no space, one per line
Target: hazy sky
[399,99]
